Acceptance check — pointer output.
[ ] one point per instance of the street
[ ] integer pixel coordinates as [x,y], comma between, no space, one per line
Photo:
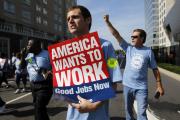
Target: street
[168,105]
[23,107]
[165,108]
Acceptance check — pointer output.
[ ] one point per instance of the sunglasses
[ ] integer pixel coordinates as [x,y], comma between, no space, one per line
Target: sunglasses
[133,37]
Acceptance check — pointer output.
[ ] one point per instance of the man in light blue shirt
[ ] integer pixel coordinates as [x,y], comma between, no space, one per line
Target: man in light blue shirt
[79,23]
[39,70]
[138,59]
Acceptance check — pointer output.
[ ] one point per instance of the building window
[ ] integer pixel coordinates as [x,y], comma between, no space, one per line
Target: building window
[55,8]
[45,22]
[45,2]
[26,14]
[9,7]
[4,45]
[154,35]
[60,28]
[60,20]
[55,17]
[27,2]
[56,27]
[60,2]
[38,20]
[60,11]
[38,8]
[44,11]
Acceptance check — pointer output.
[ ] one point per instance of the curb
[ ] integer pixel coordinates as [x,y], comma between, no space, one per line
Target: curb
[170,74]
[150,113]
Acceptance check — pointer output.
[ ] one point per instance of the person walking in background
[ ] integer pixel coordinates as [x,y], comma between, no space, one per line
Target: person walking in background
[20,74]
[39,70]
[13,59]
[79,23]
[12,63]
[138,59]
[3,70]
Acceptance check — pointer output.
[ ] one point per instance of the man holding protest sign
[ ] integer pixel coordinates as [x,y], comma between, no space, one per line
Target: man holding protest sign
[80,72]
[79,23]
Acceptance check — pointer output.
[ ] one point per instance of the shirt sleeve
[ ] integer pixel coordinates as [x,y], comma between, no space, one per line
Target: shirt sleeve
[50,67]
[152,61]
[124,45]
[47,63]
[114,71]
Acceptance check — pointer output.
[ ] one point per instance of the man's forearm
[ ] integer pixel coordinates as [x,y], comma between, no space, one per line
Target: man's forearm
[114,32]
[158,82]
[158,78]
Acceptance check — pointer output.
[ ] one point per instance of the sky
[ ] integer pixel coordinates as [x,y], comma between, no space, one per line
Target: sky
[125,15]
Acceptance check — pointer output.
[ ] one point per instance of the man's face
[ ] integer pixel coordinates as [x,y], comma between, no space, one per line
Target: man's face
[33,46]
[30,46]
[136,39]
[77,25]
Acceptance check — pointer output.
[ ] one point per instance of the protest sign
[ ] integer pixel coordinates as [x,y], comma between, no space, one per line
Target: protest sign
[79,68]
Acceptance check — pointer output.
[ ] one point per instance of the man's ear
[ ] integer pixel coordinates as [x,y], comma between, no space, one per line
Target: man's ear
[88,20]
[143,39]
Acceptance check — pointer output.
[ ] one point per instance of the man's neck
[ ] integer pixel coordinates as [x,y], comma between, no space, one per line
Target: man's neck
[138,46]
[82,33]
[37,51]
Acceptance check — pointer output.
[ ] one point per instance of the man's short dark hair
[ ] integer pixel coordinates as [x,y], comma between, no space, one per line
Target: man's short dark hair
[142,34]
[84,11]
[36,42]
[36,46]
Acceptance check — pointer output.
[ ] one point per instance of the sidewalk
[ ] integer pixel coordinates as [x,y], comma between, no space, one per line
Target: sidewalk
[170,74]
[165,108]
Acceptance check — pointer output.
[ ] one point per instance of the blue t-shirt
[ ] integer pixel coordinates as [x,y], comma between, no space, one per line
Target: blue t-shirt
[37,62]
[17,65]
[115,76]
[138,60]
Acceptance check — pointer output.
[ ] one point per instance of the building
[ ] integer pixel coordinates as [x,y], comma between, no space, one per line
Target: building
[152,22]
[172,28]
[23,19]
[158,29]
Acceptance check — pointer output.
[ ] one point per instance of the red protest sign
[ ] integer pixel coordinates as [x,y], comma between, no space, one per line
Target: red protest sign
[76,62]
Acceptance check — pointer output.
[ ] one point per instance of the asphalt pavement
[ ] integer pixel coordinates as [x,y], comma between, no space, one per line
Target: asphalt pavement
[23,108]
[163,109]
[167,106]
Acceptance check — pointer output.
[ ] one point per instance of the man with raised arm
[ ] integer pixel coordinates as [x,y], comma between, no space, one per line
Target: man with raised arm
[138,59]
